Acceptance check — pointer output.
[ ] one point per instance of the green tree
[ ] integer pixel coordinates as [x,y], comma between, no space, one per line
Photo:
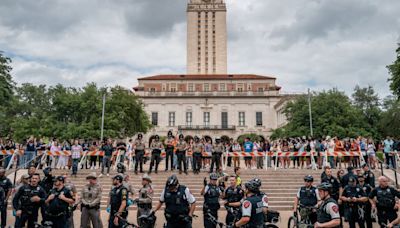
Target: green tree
[390,121]
[394,70]
[332,112]
[366,100]
[6,95]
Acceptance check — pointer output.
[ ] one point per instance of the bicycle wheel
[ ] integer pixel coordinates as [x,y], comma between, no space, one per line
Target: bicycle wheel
[292,223]
[270,226]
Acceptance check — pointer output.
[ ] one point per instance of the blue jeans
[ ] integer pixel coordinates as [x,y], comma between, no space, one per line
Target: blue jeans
[75,163]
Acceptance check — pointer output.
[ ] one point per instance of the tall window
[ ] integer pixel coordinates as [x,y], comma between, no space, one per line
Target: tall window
[154,118]
[206,87]
[222,87]
[241,119]
[189,118]
[240,87]
[171,119]
[173,87]
[224,119]
[190,87]
[206,119]
[259,120]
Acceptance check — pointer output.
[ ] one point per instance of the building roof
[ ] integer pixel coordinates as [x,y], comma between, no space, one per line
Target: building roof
[207,77]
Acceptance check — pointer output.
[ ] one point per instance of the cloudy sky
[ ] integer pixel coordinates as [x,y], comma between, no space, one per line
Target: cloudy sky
[304,43]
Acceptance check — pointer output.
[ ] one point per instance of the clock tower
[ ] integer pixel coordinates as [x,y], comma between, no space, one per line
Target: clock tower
[206,37]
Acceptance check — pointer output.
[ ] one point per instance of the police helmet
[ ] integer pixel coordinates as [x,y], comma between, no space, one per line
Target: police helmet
[170,134]
[172,181]
[121,168]
[325,186]
[140,136]
[46,171]
[213,176]
[258,181]
[253,185]
[157,137]
[181,136]
[118,177]
[308,178]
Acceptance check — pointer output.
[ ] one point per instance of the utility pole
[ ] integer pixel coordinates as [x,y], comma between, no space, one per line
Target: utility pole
[102,116]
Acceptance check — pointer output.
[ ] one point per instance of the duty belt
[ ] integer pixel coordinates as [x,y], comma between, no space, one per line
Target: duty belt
[144,205]
[91,207]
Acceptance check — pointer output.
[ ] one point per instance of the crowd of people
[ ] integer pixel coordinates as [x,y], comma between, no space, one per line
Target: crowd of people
[203,152]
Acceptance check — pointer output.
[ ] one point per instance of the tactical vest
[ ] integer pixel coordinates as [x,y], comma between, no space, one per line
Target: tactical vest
[211,198]
[175,202]
[257,214]
[116,198]
[385,198]
[56,206]
[308,197]
[28,192]
[233,194]
[322,215]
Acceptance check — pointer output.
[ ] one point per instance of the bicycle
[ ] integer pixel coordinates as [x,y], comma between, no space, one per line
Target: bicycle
[271,218]
[126,224]
[47,224]
[304,222]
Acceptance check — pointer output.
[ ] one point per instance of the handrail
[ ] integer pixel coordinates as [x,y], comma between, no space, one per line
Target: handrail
[388,168]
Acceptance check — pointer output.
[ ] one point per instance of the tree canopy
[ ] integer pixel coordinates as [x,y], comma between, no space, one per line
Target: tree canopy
[394,71]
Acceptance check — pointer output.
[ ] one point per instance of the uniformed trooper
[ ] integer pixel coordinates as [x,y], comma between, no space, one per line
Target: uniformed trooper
[211,193]
[156,146]
[169,150]
[70,186]
[179,204]
[118,203]
[181,148]
[307,197]
[383,199]
[197,149]
[328,211]
[139,147]
[367,189]
[253,206]
[328,178]
[90,203]
[58,203]
[7,186]
[27,201]
[233,195]
[354,198]
[368,175]
[145,200]
[217,150]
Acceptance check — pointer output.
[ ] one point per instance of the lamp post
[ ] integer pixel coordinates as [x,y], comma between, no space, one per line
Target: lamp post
[102,115]
[309,110]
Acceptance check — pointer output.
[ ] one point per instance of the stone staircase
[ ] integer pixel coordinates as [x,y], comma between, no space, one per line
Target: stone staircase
[281,186]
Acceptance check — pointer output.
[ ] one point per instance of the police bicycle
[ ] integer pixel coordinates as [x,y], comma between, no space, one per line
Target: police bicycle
[304,222]
[47,224]
[147,221]
[222,225]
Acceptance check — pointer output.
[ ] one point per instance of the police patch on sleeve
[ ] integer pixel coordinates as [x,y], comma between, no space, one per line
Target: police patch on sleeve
[124,193]
[246,204]
[335,208]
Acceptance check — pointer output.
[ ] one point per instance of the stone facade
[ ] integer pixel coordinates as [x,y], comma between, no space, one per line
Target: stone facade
[206,37]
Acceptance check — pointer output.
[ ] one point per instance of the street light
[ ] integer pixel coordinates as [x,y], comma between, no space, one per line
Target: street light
[309,110]
[102,114]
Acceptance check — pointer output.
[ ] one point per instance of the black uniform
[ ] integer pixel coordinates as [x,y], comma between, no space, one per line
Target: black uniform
[335,186]
[369,178]
[211,204]
[386,200]
[345,179]
[6,184]
[253,207]
[308,198]
[177,208]
[117,196]
[367,189]
[57,210]
[352,208]
[232,195]
[30,210]
[328,211]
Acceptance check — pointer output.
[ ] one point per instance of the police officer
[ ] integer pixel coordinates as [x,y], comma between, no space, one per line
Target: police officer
[90,203]
[118,203]
[145,200]
[253,207]
[383,199]
[156,146]
[181,147]
[27,201]
[58,202]
[71,187]
[354,198]
[139,147]
[48,180]
[233,195]
[368,175]
[307,196]
[7,186]
[211,193]
[217,150]
[367,189]
[197,149]
[333,181]
[169,150]
[179,204]
[328,212]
